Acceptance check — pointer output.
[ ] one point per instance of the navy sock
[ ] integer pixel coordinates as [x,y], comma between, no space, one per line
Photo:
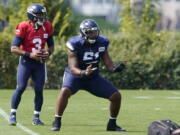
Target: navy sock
[57,119]
[112,121]
[36,116]
[13,113]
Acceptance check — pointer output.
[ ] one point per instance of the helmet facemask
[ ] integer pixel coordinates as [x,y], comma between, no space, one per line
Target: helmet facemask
[40,18]
[91,34]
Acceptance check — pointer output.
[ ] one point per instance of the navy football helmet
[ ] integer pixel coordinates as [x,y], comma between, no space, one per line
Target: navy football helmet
[37,13]
[89,30]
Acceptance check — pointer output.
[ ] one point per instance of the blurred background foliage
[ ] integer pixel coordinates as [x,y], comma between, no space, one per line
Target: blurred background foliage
[152,55]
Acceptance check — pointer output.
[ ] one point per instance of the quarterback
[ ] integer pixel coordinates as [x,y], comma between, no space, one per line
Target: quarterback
[29,42]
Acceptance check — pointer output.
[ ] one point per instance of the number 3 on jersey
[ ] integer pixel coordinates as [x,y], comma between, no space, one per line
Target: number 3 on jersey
[90,56]
[37,42]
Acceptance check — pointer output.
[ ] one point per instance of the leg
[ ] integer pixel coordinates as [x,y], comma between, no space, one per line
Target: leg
[71,85]
[105,89]
[23,75]
[38,77]
[62,101]
[61,104]
[115,104]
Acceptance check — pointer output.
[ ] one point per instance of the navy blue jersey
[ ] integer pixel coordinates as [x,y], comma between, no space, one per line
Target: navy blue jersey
[88,54]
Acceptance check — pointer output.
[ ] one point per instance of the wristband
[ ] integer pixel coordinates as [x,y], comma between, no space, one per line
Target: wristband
[27,54]
[82,73]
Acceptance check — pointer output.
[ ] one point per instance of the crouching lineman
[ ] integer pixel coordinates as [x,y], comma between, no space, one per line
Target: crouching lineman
[84,54]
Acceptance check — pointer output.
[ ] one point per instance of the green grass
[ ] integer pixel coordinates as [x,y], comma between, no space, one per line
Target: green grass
[87,114]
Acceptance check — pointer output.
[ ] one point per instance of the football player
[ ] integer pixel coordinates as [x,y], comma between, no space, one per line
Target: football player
[29,42]
[84,54]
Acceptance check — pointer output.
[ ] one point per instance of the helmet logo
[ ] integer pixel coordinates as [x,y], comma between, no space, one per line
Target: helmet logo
[86,24]
[30,10]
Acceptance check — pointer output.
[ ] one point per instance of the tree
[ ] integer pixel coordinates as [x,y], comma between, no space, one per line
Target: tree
[59,13]
[146,19]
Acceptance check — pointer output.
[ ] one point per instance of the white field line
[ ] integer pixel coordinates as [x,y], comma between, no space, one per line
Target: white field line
[25,129]
[176,93]
[50,108]
[157,108]
[172,97]
[151,97]
[104,108]
[144,97]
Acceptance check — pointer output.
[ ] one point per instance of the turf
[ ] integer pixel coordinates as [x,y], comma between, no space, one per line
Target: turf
[87,114]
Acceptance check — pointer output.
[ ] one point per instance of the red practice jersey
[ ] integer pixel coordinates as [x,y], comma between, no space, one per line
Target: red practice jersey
[33,40]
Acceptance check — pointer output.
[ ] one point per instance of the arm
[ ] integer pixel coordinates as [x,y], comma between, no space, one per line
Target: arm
[73,64]
[18,51]
[46,53]
[108,61]
[50,42]
[110,65]
[15,48]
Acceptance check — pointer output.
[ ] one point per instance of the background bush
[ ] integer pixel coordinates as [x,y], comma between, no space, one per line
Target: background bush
[152,56]
[152,60]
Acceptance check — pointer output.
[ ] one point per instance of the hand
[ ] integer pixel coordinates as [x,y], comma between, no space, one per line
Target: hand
[120,67]
[35,56]
[89,70]
[44,55]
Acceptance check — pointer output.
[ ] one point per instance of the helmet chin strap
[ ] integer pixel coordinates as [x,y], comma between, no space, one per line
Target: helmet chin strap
[40,23]
[90,41]
[36,26]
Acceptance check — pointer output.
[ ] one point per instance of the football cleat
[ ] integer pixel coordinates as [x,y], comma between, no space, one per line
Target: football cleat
[37,121]
[114,127]
[56,126]
[12,120]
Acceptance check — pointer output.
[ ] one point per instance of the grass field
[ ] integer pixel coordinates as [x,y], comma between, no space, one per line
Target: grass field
[87,115]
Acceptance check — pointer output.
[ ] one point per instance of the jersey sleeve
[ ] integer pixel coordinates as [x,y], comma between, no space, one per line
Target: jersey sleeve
[104,44]
[70,46]
[17,41]
[20,30]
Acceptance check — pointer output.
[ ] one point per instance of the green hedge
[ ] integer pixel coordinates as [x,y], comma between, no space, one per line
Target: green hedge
[8,63]
[153,60]
[55,67]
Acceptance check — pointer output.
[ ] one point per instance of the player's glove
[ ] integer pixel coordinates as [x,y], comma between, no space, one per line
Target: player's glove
[120,67]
